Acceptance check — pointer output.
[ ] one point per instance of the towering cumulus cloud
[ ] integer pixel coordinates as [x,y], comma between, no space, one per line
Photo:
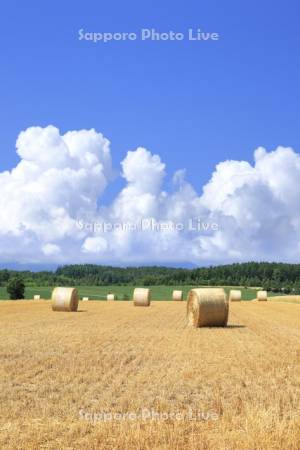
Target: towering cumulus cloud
[57,179]
[51,206]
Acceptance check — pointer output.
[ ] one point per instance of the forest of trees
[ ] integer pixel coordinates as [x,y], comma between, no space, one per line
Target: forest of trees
[271,276]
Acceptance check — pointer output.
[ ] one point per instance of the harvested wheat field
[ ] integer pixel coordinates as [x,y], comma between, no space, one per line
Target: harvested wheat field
[231,388]
[286,299]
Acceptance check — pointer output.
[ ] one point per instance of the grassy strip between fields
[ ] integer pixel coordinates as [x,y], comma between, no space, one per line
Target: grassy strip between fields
[123,292]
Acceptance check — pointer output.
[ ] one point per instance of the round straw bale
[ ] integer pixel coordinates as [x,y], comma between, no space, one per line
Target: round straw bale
[235,295]
[177,296]
[36,297]
[141,297]
[207,307]
[64,299]
[110,297]
[85,299]
[262,296]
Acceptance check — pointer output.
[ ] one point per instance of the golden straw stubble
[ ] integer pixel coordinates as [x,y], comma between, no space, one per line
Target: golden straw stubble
[207,307]
[65,299]
[141,297]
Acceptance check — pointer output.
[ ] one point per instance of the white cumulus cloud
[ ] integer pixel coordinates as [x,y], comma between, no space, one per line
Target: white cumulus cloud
[94,245]
[51,249]
[58,178]
[51,207]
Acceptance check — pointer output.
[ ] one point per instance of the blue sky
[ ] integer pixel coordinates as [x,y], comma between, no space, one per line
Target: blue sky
[194,104]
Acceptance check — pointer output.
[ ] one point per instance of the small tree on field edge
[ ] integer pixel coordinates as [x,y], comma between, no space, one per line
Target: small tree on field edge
[16,288]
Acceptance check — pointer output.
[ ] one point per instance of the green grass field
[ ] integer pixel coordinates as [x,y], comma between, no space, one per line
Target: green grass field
[122,292]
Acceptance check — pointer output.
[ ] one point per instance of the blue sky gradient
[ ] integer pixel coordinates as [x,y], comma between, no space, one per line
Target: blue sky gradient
[194,104]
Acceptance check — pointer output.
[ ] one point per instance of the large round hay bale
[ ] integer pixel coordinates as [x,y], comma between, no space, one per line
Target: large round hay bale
[207,307]
[110,297]
[235,295]
[36,297]
[141,297]
[262,296]
[177,296]
[85,299]
[65,299]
